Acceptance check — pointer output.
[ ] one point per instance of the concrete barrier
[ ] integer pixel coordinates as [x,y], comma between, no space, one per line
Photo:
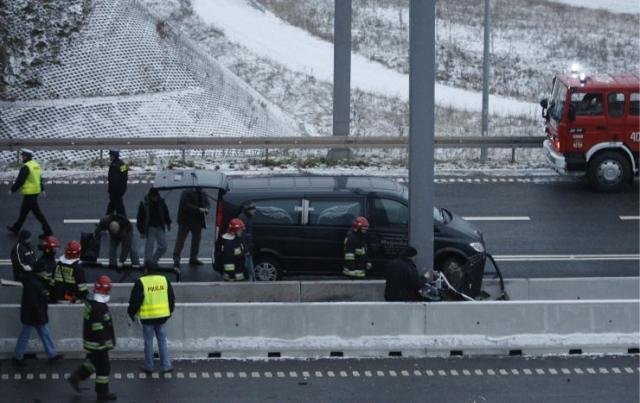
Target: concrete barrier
[373,290]
[362,329]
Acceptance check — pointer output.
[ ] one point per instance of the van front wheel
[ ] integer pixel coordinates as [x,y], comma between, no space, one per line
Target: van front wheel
[267,269]
[453,268]
[609,172]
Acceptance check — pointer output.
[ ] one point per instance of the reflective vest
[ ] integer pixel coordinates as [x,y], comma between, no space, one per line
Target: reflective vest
[32,185]
[155,304]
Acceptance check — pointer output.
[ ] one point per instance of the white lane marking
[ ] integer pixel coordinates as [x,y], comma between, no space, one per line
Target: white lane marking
[30,376]
[566,371]
[242,374]
[556,258]
[553,371]
[168,375]
[491,372]
[355,374]
[330,374]
[230,375]
[603,371]
[417,373]
[578,371]
[540,371]
[281,374]
[217,374]
[344,374]
[142,375]
[193,375]
[478,372]
[629,370]
[255,374]
[306,374]
[527,371]
[466,372]
[5,377]
[43,376]
[503,372]
[205,375]
[629,217]
[454,372]
[393,373]
[404,373]
[88,221]
[180,375]
[591,370]
[117,375]
[17,377]
[515,371]
[368,373]
[379,373]
[498,218]
[293,374]
[318,374]
[429,372]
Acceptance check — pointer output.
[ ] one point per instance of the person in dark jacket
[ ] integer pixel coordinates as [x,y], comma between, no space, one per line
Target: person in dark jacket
[153,300]
[233,252]
[69,277]
[117,183]
[192,214]
[34,314]
[153,221]
[98,337]
[23,258]
[29,182]
[120,234]
[248,211]
[47,260]
[402,278]
[356,263]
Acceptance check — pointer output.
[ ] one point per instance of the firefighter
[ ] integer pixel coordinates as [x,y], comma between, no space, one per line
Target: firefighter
[69,275]
[233,252]
[117,180]
[355,250]
[47,260]
[98,338]
[248,211]
[23,258]
[153,300]
[29,182]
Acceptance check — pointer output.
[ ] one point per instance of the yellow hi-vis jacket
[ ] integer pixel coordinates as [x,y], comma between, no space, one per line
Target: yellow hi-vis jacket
[156,297]
[33,184]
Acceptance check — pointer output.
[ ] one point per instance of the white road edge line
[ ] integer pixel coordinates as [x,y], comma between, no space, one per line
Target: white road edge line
[552,258]
[629,217]
[498,218]
[87,221]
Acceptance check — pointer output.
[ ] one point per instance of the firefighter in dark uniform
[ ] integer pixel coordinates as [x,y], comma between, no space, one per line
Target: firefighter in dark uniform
[69,275]
[118,176]
[233,252]
[355,263]
[29,182]
[47,261]
[98,338]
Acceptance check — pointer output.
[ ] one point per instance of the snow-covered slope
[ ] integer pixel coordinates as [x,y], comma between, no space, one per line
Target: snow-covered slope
[129,73]
[267,35]
[615,6]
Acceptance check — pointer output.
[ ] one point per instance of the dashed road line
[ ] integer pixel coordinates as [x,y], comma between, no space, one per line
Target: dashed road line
[498,218]
[629,217]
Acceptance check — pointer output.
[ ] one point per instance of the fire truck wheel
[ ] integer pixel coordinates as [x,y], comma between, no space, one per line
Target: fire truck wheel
[609,172]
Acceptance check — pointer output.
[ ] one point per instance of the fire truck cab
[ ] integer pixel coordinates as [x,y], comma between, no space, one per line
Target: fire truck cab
[593,128]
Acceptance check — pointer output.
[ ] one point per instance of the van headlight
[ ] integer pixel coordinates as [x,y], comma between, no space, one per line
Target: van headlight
[477,246]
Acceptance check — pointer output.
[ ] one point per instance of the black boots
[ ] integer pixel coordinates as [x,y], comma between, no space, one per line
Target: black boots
[102,389]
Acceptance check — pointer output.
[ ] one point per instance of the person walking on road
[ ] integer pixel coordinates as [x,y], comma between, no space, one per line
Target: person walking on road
[153,222]
[248,211]
[152,299]
[233,252]
[120,234]
[192,214]
[29,182]
[355,263]
[34,314]
[98,337]
[23,258]
[403,282]
[117,179]
[69,277]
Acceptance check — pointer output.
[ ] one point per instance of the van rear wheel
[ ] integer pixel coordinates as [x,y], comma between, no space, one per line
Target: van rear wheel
[267,269]
[609,172]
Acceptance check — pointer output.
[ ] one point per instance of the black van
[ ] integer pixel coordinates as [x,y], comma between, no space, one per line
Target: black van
[301,222]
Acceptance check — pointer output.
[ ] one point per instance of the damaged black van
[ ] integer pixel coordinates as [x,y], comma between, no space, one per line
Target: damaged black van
[301,221]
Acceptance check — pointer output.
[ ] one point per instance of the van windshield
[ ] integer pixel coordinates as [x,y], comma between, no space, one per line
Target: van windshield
[558,95]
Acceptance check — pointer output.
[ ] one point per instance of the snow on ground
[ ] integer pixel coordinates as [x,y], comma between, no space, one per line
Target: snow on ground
[268,36]
[616,6]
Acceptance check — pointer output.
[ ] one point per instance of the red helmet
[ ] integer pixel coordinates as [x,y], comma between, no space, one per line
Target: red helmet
[72,250]
[102,285]
[50,244]
[360,223]
[236,225]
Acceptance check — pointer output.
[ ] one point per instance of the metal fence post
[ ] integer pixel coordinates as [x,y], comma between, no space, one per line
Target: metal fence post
[421,127]
[485,77]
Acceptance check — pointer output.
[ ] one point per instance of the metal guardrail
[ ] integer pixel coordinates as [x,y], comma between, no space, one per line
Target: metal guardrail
[186,143]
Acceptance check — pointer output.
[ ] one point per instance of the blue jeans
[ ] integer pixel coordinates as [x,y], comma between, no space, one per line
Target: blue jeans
[113,252]
[249,269]
[25,335]
[155,235]
[149,331]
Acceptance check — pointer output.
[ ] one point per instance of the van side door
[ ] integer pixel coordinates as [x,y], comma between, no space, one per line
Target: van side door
[328,220]
[616,102]
[388,234]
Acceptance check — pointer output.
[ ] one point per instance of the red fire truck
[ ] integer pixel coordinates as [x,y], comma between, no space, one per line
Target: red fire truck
[593,128]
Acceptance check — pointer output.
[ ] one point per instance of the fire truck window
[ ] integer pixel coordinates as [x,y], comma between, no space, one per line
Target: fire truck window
[587,103]
[635,104]
[615,102]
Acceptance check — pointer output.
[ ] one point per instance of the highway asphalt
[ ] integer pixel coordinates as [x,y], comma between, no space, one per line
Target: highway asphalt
[456,379]
[534,227]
